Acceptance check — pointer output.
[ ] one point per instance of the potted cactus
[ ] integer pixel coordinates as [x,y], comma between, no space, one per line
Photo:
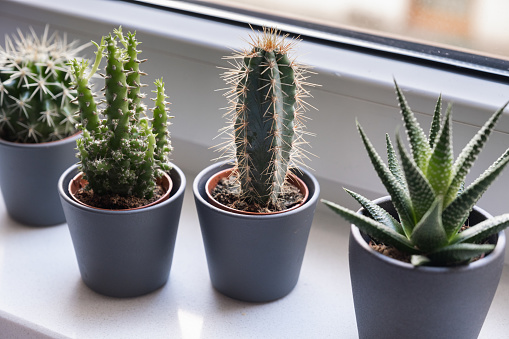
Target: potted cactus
[37,132]
[123,232]
[255,246]
[445,254]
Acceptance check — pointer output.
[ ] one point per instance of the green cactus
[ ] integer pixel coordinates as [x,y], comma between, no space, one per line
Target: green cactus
[35,88]
[126,151]
[266,116]
[427,191]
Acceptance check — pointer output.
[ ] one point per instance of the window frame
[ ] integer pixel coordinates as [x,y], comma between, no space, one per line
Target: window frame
[451,59]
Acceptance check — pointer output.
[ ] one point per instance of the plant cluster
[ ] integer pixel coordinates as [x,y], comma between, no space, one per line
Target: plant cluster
[125,151]
[35,87]
[265,116]
[427,190]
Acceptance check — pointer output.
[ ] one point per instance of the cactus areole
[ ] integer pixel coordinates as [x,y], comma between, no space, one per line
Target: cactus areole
[265,118]
[122,151]
[35,88]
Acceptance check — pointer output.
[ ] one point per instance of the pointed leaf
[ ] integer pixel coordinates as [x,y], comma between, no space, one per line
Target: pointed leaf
[419,260]
[482,230]
[457,253]
[373,228]
[419,144]
[377,212]
[435,124]
[457,212]
[441,161]
[399,196]
[429,233]
[393,163]
[421,193]
[468,155]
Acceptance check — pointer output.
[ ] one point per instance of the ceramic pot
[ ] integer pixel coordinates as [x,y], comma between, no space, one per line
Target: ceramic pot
[394,299]
[124,253]
[28,179]
[254,258]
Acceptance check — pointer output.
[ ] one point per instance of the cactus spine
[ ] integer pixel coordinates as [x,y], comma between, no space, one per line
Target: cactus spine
[266,116]
[35,88]
[123,153]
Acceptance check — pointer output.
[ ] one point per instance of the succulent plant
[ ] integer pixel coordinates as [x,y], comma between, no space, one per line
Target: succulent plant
[265,116]
[35,87]
[428,193]
[124,152]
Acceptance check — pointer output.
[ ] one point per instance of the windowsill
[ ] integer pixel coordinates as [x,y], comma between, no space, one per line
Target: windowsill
[42,295]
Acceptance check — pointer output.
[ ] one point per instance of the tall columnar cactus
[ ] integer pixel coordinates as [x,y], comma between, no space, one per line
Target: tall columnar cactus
[35,88]
[126,151]
[266,116]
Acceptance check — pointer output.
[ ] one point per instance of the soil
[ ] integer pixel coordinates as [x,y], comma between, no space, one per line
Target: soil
[390,251]
[227,192]
[115,201]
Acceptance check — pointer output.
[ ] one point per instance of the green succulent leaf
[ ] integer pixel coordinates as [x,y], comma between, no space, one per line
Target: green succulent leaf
[376,212]
[441,161]
[435,123]
[468,155]
[374,228]
[421,193]
[482,230]
[419,144]
[457,212]
[419,260]
[458,253]
[399,196]
[429,233]
[393,163]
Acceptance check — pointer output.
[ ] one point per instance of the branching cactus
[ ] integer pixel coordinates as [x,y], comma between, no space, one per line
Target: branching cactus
[427,190]
[124,152]
[266,122]
[35,88]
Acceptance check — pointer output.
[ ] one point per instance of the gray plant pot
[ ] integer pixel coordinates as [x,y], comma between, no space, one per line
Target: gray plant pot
[28,179]
[397,300]
[254,258]
[124,253]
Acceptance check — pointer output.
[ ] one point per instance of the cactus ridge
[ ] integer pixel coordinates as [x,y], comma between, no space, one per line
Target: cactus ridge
[36,94]
[265,118]
[122,150]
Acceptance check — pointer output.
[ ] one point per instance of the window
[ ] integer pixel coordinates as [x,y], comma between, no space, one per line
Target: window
[465,34]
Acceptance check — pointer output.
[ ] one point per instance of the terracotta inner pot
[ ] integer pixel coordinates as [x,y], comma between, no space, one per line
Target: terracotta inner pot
[78,183]
[214,180]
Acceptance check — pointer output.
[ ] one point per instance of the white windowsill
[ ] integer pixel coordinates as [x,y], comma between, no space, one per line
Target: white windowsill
[41,293]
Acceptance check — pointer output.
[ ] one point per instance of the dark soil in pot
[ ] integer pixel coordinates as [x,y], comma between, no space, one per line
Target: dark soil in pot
[224,192]
[79,191]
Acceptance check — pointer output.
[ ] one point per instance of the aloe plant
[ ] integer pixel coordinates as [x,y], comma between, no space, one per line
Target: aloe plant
[35,87]
[266,116]
[427,190]
[124,152]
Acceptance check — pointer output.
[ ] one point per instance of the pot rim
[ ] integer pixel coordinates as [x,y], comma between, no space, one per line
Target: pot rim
[497,251]
[299,183]
[83,182]
[313,196]
[41,144]
[65,194]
